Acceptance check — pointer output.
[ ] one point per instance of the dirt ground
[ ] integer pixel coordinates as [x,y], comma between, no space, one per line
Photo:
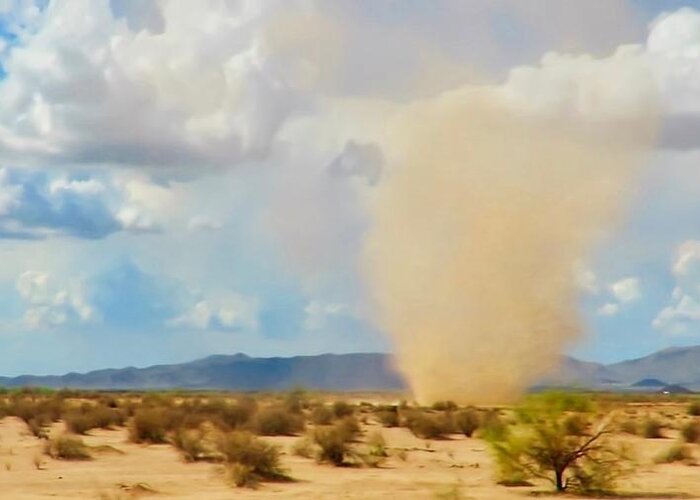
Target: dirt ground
[454,468]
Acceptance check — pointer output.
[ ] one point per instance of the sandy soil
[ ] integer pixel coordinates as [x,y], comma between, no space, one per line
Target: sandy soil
[436,469]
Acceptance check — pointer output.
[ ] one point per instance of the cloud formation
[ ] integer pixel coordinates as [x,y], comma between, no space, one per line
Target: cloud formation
[682,315]
[50,305]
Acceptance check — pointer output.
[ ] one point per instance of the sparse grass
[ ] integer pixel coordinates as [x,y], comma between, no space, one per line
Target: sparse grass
[676,453]
[303,447]
[65,447]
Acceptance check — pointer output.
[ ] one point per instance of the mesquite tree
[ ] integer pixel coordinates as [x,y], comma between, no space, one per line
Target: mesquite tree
[569,448]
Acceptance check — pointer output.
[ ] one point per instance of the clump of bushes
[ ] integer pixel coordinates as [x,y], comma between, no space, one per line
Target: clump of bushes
[151,425]
[342,409]
[321,415]
[445,406]
[334,444]
[82,420]
[191,445]
[429,425]
[248,459]
[66,447]
[467,421]
[388,417]
[277,421]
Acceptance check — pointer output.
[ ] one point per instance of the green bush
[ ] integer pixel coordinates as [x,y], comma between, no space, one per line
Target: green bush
[540,444]
[694,409]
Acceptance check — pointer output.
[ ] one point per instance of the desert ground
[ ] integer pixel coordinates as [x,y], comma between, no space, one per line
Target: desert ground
[451,467]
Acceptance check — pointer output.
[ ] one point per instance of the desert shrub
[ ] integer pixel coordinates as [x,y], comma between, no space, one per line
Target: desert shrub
[242,450]
[303,447]
[190,444]
[575,424]
[694,409]
[539,445]
[492,423]
[67,448]
[150,425]
[676,453]
[37,427]
[651,428]
[691,432]
[295,401]
[321,415]
[467,421]
[231,416]
[276,421]
[349,426]
[241,475]
[629,426]
[564,401]
[44,411]
[333,443]
[388,418]
[376,444]
[78,422]
[430,425]
[342,409]
[444,406]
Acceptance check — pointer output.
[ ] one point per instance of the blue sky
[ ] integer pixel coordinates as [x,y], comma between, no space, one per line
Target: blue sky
[184,179]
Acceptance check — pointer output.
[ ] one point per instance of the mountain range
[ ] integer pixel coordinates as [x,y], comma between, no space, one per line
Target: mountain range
[360,371]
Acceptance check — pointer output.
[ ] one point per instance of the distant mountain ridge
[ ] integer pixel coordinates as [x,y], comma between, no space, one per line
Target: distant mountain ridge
[238,372]
[361,371]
